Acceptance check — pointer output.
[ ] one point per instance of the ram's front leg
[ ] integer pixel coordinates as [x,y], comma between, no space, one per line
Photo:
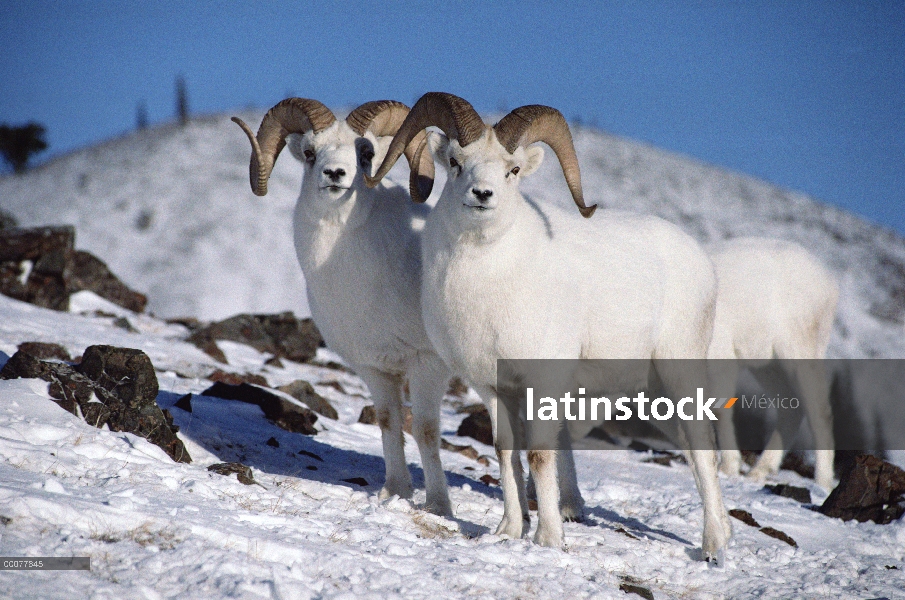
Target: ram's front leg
[386,392]
[428,381]
[516,521]
[549,522]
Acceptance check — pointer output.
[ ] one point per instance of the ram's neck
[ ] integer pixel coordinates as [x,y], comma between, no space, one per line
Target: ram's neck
[324,233]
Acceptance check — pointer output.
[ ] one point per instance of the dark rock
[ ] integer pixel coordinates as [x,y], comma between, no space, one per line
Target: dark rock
[243,473]
[779,535]
[35,244]
[871,489]
[123,323]
[368,415]
[625,532]
[207,345]
[45,350]
[87,272]
[282,335]
[56,270]
[488,479]
[190,323]
[302,391]
[236,379]
[744,516]
[311,455]
[280,411]
[168,417]
[113,391]
[630,585]
[799,494]
[42,279]
[793,462]
[477,426]
[466,451]
[357,481]
[125,372]
[185,403]
[273,442]
[7,221]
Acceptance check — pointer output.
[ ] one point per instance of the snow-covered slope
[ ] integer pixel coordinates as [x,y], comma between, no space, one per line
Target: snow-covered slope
[158,529]
[171,211]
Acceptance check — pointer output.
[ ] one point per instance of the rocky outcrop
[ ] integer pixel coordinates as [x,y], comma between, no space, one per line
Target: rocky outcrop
[41,266]
[116,387]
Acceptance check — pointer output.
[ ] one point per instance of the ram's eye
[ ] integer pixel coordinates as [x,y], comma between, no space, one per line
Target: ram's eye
[515,170]
[453,163]
[309,156]
[367,155]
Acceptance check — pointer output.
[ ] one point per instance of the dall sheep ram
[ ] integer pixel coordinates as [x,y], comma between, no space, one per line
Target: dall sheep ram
[506,278]
[775,300]
[361,258]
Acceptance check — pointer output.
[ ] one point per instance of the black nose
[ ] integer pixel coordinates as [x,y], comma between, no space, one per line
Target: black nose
[482,195]
[335,174]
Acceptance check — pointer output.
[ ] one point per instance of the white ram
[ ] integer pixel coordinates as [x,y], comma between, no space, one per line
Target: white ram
[361,258]
[776,300]
[506,278]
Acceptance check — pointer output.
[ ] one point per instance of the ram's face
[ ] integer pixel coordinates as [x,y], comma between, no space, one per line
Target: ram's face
[483,176]
[334,159]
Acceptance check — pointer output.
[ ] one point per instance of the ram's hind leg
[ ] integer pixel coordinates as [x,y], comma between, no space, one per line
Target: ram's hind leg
[386,391]
[571,504]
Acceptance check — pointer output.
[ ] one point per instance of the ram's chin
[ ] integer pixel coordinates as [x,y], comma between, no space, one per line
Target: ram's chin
[478,210]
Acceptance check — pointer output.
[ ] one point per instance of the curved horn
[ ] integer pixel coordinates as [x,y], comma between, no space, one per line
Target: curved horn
[455,116]
[292,115]
[536,123]
[384,117]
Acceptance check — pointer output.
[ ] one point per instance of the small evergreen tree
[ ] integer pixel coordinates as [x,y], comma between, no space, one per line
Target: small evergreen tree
[182,101]
[141,116]
[17,144]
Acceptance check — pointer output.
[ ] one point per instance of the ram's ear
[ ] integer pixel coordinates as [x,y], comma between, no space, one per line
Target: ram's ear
[534,156]
[381,145]
[294,143]
[438,144]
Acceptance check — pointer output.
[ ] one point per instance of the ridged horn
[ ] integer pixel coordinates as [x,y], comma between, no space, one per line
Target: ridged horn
[455,116]
[384,117]
[536,123]
[292,115]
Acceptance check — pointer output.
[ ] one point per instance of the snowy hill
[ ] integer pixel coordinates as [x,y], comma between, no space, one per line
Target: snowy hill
[169,209]
[171,212]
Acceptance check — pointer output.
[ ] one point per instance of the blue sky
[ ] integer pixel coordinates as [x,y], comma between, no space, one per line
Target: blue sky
[808,95]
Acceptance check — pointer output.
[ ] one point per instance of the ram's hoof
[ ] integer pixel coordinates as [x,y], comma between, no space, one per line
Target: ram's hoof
[514,528]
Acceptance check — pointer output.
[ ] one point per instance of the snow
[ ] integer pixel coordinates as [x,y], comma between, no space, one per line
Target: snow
[158,529]
[170,211]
